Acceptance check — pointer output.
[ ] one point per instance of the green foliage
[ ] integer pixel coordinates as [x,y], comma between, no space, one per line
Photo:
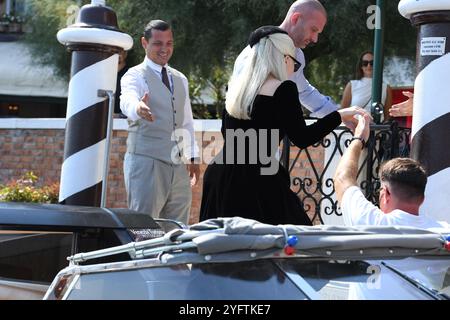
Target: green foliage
[332,61]
[47,18]
[25,190]
[199,108]
[209,34]
[218,81]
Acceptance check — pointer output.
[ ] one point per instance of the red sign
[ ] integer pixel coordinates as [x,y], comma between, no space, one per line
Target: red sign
[397,97]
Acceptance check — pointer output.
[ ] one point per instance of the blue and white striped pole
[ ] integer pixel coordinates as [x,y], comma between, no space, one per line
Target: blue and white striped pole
[431,117]
[95,42]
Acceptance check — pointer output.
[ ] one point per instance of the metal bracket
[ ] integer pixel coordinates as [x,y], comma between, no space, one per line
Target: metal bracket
[110,95]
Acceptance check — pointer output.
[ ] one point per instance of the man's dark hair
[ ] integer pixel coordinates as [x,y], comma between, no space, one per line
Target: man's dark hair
[155,25]
[406,177]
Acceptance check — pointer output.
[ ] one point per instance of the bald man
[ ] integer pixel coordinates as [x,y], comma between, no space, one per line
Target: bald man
[304,22]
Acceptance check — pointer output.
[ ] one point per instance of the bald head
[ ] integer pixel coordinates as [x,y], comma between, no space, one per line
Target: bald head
[307,6]
[304,22]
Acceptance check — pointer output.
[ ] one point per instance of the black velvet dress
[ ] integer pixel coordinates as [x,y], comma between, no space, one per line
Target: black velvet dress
[233,184]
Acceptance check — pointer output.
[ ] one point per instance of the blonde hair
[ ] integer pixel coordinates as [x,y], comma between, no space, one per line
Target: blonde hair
[266,58]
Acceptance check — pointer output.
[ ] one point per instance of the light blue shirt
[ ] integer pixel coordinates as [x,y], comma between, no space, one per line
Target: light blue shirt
[310,97]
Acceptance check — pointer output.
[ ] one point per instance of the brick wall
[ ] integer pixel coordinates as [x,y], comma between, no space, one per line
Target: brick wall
[42,150]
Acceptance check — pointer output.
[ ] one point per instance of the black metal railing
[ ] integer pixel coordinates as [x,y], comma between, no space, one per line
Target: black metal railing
[316,191]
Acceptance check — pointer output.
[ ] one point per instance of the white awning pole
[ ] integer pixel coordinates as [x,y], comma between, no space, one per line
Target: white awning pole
[8,7]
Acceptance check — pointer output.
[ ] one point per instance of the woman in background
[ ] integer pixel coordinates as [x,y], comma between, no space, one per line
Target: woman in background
[358,92]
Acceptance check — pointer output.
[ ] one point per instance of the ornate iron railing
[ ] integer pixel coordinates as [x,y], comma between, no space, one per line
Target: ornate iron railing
[316,190]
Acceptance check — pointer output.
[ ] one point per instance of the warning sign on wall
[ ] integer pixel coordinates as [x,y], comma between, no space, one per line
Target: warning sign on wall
[433,46]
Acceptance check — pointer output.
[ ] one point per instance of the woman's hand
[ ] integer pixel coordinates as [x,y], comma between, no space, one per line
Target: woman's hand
[348,116]
[362,129]
[403,109]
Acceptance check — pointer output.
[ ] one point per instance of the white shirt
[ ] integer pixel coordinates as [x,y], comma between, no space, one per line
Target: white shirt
[134,88]
[357,210]
[310,97]
[362,94]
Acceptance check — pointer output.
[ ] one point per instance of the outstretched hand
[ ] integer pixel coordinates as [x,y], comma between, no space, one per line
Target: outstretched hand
[348,116]
[404,108]
[143,110]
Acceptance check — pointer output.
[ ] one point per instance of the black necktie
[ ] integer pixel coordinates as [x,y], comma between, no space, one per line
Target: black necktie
[165,78]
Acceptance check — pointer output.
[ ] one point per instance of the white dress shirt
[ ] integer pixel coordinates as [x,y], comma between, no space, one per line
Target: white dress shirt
[310,97]
[134,88]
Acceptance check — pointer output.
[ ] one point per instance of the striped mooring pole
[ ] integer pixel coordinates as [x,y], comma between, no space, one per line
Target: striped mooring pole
[95,42]
[431,116]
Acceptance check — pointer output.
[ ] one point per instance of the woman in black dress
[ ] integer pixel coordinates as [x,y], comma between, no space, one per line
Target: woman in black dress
[262,106]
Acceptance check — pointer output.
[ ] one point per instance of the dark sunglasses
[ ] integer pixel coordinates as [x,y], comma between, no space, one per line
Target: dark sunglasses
[365,63]
[297,64]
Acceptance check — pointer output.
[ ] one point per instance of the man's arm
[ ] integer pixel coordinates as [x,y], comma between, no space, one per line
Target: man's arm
[312,99]
[309,96]
[134,97]
[347,169]
[191,148]
[131,94]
